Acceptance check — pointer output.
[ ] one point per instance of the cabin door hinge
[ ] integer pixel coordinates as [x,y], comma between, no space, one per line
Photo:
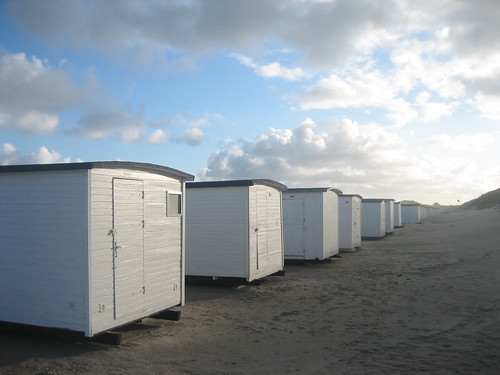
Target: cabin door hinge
[143,290]
[142,195]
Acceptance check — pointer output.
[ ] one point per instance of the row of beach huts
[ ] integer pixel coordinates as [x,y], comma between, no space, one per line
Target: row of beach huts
[92,246]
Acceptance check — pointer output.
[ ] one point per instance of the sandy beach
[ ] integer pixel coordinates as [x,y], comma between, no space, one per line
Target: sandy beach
[424,300]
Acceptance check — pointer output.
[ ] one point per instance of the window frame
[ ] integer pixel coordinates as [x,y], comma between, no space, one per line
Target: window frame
[178,208]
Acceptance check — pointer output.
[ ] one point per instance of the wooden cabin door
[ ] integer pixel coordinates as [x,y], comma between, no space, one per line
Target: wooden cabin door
[294,227]
[262,229]
[128,246]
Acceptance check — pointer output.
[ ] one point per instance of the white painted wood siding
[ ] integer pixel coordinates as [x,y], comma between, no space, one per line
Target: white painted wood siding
[163,277]
[397,214]
[294,230]
[319,225]
[389,216]
[346,223]
[314,227]
[357,213]
[128,246]
[217,232]
[411,214]
[373,219]
[265,216]
[43,242]
[330,224]
[349,222]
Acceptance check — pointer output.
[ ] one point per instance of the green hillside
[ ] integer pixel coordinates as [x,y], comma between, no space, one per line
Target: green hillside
[488,200]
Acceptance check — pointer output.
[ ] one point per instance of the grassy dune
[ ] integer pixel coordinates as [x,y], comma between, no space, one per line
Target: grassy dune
[488,200]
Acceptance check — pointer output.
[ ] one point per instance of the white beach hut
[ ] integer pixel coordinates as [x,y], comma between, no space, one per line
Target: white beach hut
[423,212]
[373,218]
[349,221]
[411,212]
[398,222]
[90,246]
[310,223]
[430,210]
[389,216]
[234,228]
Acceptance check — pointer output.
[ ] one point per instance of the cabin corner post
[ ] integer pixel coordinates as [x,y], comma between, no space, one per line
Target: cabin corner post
[251,232]
[282,229]
[183,244]
[88,295]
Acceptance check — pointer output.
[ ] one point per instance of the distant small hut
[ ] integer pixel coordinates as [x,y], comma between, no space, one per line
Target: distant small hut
[310,223]
[373,218]
[349,221]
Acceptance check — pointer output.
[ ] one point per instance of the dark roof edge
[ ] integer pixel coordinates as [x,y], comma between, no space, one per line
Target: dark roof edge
[373,200]
[232,183]
[160,169]
[314,189]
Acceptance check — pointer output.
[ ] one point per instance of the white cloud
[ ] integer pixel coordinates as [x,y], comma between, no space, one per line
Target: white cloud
[34,94]
[112,121]
[205,119]
[143,31]
[463,142]
[474,27]
[359,89]
[426,62]
[159,136]
[10,155]
[29,121]
[273,70]
[480,72]
[401,112]
[326,31]
[131,126]
[372,89]
[366,159]
[304,153]
[431,111]
[27,107]
[193,136]
[334,33]
[45,156]
[488,105]
[448,49]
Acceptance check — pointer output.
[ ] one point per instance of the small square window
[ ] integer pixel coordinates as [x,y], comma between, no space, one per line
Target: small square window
[174,204]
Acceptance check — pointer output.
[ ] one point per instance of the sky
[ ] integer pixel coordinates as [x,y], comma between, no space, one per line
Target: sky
[383,98]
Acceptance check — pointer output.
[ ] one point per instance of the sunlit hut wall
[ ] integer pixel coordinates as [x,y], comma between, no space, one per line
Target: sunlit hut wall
[423,212]
[90,246]
[349,221]
[398,222]
[411,212]
[310,223]
[234,228]
[373,218]
[430,210]
[389,216]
